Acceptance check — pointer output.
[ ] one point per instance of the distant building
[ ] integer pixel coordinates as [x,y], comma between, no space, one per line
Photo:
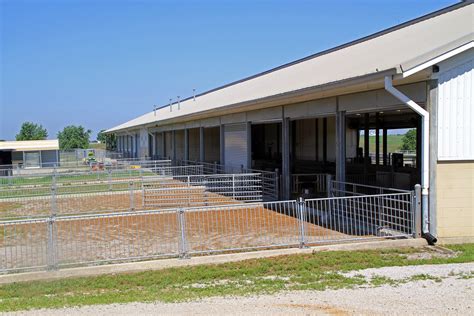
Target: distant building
[29,153]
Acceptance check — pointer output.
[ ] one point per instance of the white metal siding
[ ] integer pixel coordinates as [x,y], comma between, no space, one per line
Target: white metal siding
[236,145]
[455,108]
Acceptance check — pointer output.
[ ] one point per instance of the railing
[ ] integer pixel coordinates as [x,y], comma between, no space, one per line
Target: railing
[270,180]
[195,190]
[63,167]
[114,191]
[61,241]
[315,183]
[338,188]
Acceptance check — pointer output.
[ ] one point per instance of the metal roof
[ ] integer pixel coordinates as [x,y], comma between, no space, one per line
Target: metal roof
[399,49]
[30,145]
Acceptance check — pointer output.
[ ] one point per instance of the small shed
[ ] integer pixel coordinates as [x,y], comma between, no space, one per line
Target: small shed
[29,153]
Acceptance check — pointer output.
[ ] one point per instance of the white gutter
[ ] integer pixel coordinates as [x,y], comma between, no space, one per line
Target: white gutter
[438,59]
[425,150]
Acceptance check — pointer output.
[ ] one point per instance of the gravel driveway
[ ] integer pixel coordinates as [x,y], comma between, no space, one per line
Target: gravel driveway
[431,289]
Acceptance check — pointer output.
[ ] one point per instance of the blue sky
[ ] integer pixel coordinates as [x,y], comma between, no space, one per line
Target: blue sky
[100,63]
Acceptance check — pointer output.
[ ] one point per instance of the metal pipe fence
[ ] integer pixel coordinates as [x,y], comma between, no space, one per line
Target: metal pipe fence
[339,188]
[57,241]
[168,187]
[270,180]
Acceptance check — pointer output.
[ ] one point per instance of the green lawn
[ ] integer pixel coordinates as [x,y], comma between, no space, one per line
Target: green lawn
[316,271]
[394,142]
[41,185]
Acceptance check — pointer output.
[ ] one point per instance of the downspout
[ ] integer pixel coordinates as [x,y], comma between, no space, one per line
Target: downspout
[425,153]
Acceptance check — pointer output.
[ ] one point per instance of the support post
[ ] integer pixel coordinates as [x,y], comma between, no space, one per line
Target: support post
[54,206]
[325,140]
[249,145]
[182,242]
[173,140]
[316,139]
[51,251]
[202,156]
[222,144]
[366,144]
[377,140]
[329,185]
[163,145]
[417,212]
[132,196]
[285,129]
[186,144]
[341,146]
[301,213]
[385,146]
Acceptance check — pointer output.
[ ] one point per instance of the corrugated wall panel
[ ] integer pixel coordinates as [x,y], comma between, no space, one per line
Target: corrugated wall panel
[236,145]
[455,108]
[193,138]
[179,134]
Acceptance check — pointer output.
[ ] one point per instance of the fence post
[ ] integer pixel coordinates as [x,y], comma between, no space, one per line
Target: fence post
[416,210]
[51,257]
[277,183]
[301,213]
[54,206]
[132,196]
[182,243]
[233,186]
[329,185]
[109,178]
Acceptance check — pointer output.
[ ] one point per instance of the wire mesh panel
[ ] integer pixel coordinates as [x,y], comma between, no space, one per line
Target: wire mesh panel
[116,237]
[25,244]
[386,215]
[225,228]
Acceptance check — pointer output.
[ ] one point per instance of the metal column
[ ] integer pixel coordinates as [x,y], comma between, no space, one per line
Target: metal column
[341,146]
[285,131]
[222,144]
[186,144]
[173,140]
[377,140]
[163,145]
[201,144]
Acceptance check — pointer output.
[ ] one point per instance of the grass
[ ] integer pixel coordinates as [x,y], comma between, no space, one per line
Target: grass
[318,271]
[394,142]
[67,184]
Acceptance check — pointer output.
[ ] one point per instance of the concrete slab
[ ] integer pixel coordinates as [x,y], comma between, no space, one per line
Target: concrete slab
[132,267]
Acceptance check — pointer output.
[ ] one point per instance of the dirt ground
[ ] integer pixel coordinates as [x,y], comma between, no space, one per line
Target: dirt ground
[151,234]
[167,194]
[127,227]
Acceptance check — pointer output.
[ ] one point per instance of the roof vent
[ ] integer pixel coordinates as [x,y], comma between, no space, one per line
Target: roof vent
[171,106]
[154,110]
[179,104]
[194,94]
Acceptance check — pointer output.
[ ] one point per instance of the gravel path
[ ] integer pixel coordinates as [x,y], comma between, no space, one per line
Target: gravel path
[450,291]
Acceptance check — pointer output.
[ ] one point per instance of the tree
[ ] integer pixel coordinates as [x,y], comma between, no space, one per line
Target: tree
[31,131]
[107,139]
[409,140]
[72,137]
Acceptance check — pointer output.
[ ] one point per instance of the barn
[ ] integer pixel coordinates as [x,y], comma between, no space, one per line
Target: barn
[315,115]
